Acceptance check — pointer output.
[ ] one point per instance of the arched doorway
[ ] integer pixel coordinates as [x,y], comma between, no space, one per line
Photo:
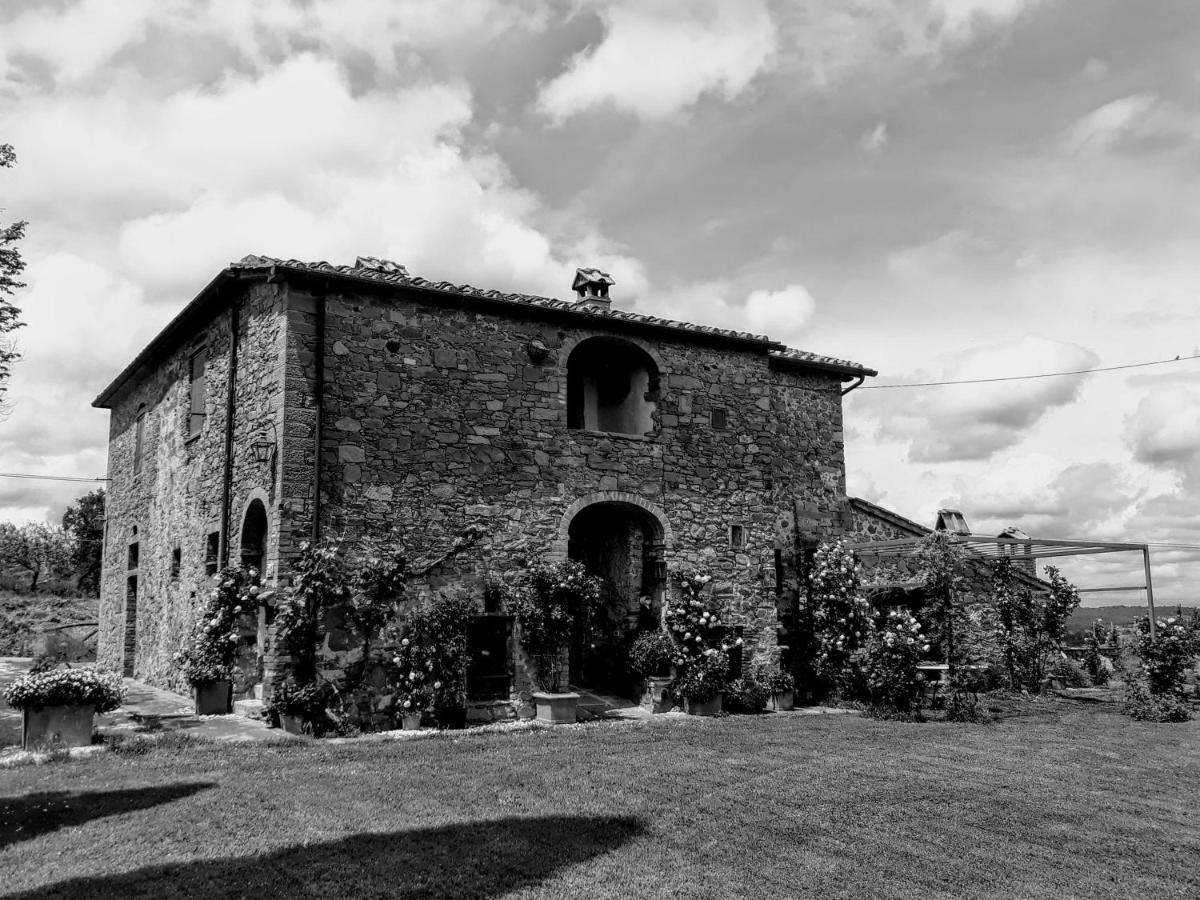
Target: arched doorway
[621,543]
[252,624]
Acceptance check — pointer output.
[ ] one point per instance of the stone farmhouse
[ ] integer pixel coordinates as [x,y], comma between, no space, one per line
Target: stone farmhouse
[292,401]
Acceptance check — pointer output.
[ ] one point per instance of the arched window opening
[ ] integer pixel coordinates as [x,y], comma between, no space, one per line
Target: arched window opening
[254,534]
[613,386]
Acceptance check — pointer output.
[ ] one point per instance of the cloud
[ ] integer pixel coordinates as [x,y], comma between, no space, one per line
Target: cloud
[1164,430]
[976,421]
[1103,127]
[779,314]
[829,44]
[876,139]
[660,57]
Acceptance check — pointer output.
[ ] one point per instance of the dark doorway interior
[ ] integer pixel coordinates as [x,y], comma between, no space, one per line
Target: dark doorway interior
[253,622]
[621,544]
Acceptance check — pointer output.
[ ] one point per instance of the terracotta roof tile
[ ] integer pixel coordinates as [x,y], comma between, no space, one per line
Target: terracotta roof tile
[387,272]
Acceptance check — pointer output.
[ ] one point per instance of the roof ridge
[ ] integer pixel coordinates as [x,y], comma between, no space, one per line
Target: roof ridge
[400,276]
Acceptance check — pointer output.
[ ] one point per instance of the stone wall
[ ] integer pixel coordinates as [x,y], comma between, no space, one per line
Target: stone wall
[175,500]
[439,416]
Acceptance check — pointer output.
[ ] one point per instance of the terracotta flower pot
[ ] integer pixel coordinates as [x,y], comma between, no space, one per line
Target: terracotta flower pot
[705,708]
[70,726]
[214,698]
[291,723]
[784,701]
[557,709]
[411,721]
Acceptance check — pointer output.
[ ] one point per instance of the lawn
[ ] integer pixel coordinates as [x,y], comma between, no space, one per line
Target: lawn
[1064,801]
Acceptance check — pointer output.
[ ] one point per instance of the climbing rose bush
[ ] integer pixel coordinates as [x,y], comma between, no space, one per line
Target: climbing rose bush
[695,621]
[83,686]
[840,614]
[212,651]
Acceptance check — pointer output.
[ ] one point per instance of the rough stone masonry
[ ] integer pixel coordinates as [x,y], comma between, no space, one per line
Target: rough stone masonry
[362,401]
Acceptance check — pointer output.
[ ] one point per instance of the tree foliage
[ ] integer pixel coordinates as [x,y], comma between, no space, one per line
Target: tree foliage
[11,266]
[39,549]
[84,522]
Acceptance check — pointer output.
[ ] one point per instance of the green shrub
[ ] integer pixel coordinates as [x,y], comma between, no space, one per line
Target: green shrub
[1071,673]
[650,654]
[703,677]
[1145,706]
[745,695]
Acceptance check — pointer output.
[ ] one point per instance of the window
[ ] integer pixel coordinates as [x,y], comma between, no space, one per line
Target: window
[139,438]
[196,395]
[212,549]
[612,386]
[133,556]
[176,563]
[719,418]
[737,537]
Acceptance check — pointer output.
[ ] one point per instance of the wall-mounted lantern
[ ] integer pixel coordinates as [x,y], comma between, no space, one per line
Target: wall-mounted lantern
[264,445]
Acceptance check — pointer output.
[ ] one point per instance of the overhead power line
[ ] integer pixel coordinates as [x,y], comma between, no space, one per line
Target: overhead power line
[50,477]
[1157,362]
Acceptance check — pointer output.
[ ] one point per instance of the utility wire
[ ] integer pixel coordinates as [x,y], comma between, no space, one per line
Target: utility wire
[1157,362]
[50,477]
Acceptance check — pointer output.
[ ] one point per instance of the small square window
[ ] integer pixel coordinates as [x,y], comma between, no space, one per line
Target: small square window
[176,563]
[719,418]
[737,536]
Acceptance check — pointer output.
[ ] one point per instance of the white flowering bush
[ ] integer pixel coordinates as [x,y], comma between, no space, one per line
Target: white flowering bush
[696,619]
[841,616]
[81,686]
[212,651]
[1168,655]
[887,665]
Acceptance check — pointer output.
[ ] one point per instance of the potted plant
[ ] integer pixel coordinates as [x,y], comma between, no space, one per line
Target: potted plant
[429,664]
[300,707]
[553,600]
[780,684]
[58,704]
[650,658]
[207,662]
[701,684]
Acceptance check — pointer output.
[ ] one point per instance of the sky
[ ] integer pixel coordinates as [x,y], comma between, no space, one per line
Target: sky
[938,189]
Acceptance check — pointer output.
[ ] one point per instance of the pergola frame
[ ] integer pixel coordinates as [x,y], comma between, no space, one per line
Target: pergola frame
[1023,548]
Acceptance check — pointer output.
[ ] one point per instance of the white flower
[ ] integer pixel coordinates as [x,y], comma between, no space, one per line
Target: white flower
[437,685]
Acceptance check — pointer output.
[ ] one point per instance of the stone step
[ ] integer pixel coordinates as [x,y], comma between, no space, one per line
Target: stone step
[249,708]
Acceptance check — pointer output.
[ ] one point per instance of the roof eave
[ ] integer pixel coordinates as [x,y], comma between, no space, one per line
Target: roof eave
[173,330]
[847,372]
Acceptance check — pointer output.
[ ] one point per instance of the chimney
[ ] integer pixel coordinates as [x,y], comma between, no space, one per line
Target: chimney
[591,287]
[1018,553]
[952,520]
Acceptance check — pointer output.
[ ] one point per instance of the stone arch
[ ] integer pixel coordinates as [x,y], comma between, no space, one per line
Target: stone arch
[252,534]
[655,513]
[570,343]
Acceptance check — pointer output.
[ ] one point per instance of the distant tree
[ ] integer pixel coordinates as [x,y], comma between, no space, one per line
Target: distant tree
[11,266]
[84,521]
[37,548]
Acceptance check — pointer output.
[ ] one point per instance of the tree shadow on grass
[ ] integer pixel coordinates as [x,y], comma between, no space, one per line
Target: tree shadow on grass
[470,859]
[23,818]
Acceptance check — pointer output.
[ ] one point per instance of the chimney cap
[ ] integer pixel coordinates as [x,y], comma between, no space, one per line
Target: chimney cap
[591,284]
[1012,532]
[377,264]
[951,520]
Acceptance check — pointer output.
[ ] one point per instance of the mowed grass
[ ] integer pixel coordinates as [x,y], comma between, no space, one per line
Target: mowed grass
[1066,801]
